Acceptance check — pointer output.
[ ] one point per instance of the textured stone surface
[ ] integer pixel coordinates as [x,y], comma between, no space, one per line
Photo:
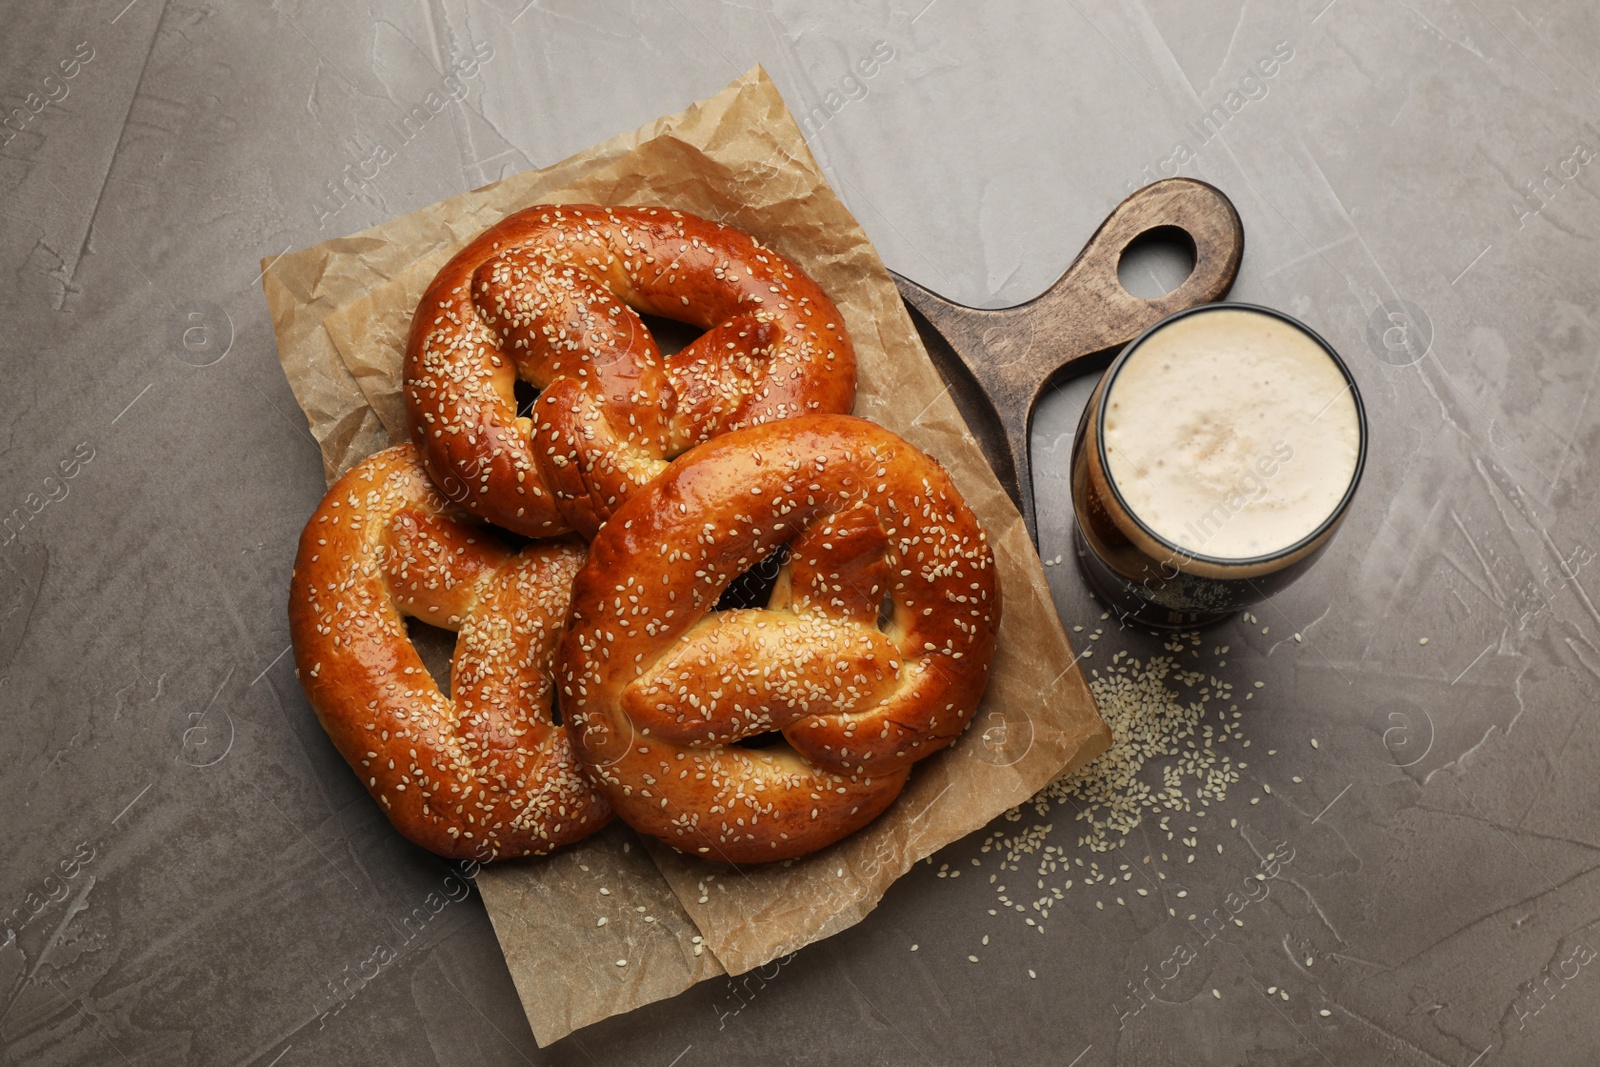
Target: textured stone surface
[212,886]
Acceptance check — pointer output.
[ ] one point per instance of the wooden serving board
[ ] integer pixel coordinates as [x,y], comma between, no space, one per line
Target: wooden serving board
[998,362]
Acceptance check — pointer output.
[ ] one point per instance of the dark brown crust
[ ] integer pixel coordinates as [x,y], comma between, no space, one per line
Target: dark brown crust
[551,294]
[485,774]
[655,687]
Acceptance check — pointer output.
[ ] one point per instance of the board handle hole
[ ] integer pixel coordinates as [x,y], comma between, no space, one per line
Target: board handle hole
[1156,262]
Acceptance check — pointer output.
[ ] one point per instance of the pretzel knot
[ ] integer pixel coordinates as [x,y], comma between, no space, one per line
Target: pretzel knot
[872,652]
[553,295]
[486,773]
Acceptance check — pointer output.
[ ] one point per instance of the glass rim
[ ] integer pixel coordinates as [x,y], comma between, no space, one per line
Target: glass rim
[1322,528]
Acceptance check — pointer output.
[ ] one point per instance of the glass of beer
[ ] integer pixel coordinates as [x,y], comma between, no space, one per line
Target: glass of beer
[1213,463]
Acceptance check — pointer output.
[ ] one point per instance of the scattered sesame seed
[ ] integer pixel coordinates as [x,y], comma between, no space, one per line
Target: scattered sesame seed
[1176,739]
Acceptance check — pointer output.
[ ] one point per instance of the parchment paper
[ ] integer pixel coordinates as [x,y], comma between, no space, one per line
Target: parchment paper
[341,311]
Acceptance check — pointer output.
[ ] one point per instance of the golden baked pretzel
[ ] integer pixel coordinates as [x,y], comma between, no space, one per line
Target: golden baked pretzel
[552,294]
[483,774]
[657,688]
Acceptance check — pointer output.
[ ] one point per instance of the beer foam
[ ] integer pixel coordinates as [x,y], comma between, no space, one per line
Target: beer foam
[1230,433]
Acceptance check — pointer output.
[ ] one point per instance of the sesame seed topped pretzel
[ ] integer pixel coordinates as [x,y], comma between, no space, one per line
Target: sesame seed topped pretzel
[872,652]
[553,294]
[486,773]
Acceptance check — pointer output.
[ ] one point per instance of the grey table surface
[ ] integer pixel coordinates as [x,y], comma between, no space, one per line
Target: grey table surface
[187,871]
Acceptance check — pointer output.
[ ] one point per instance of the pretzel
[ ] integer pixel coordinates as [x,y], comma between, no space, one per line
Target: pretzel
[658,689]
[552,294]
[484,774]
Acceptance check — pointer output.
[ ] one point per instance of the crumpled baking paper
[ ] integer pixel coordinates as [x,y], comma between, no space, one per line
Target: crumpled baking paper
[341,311]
